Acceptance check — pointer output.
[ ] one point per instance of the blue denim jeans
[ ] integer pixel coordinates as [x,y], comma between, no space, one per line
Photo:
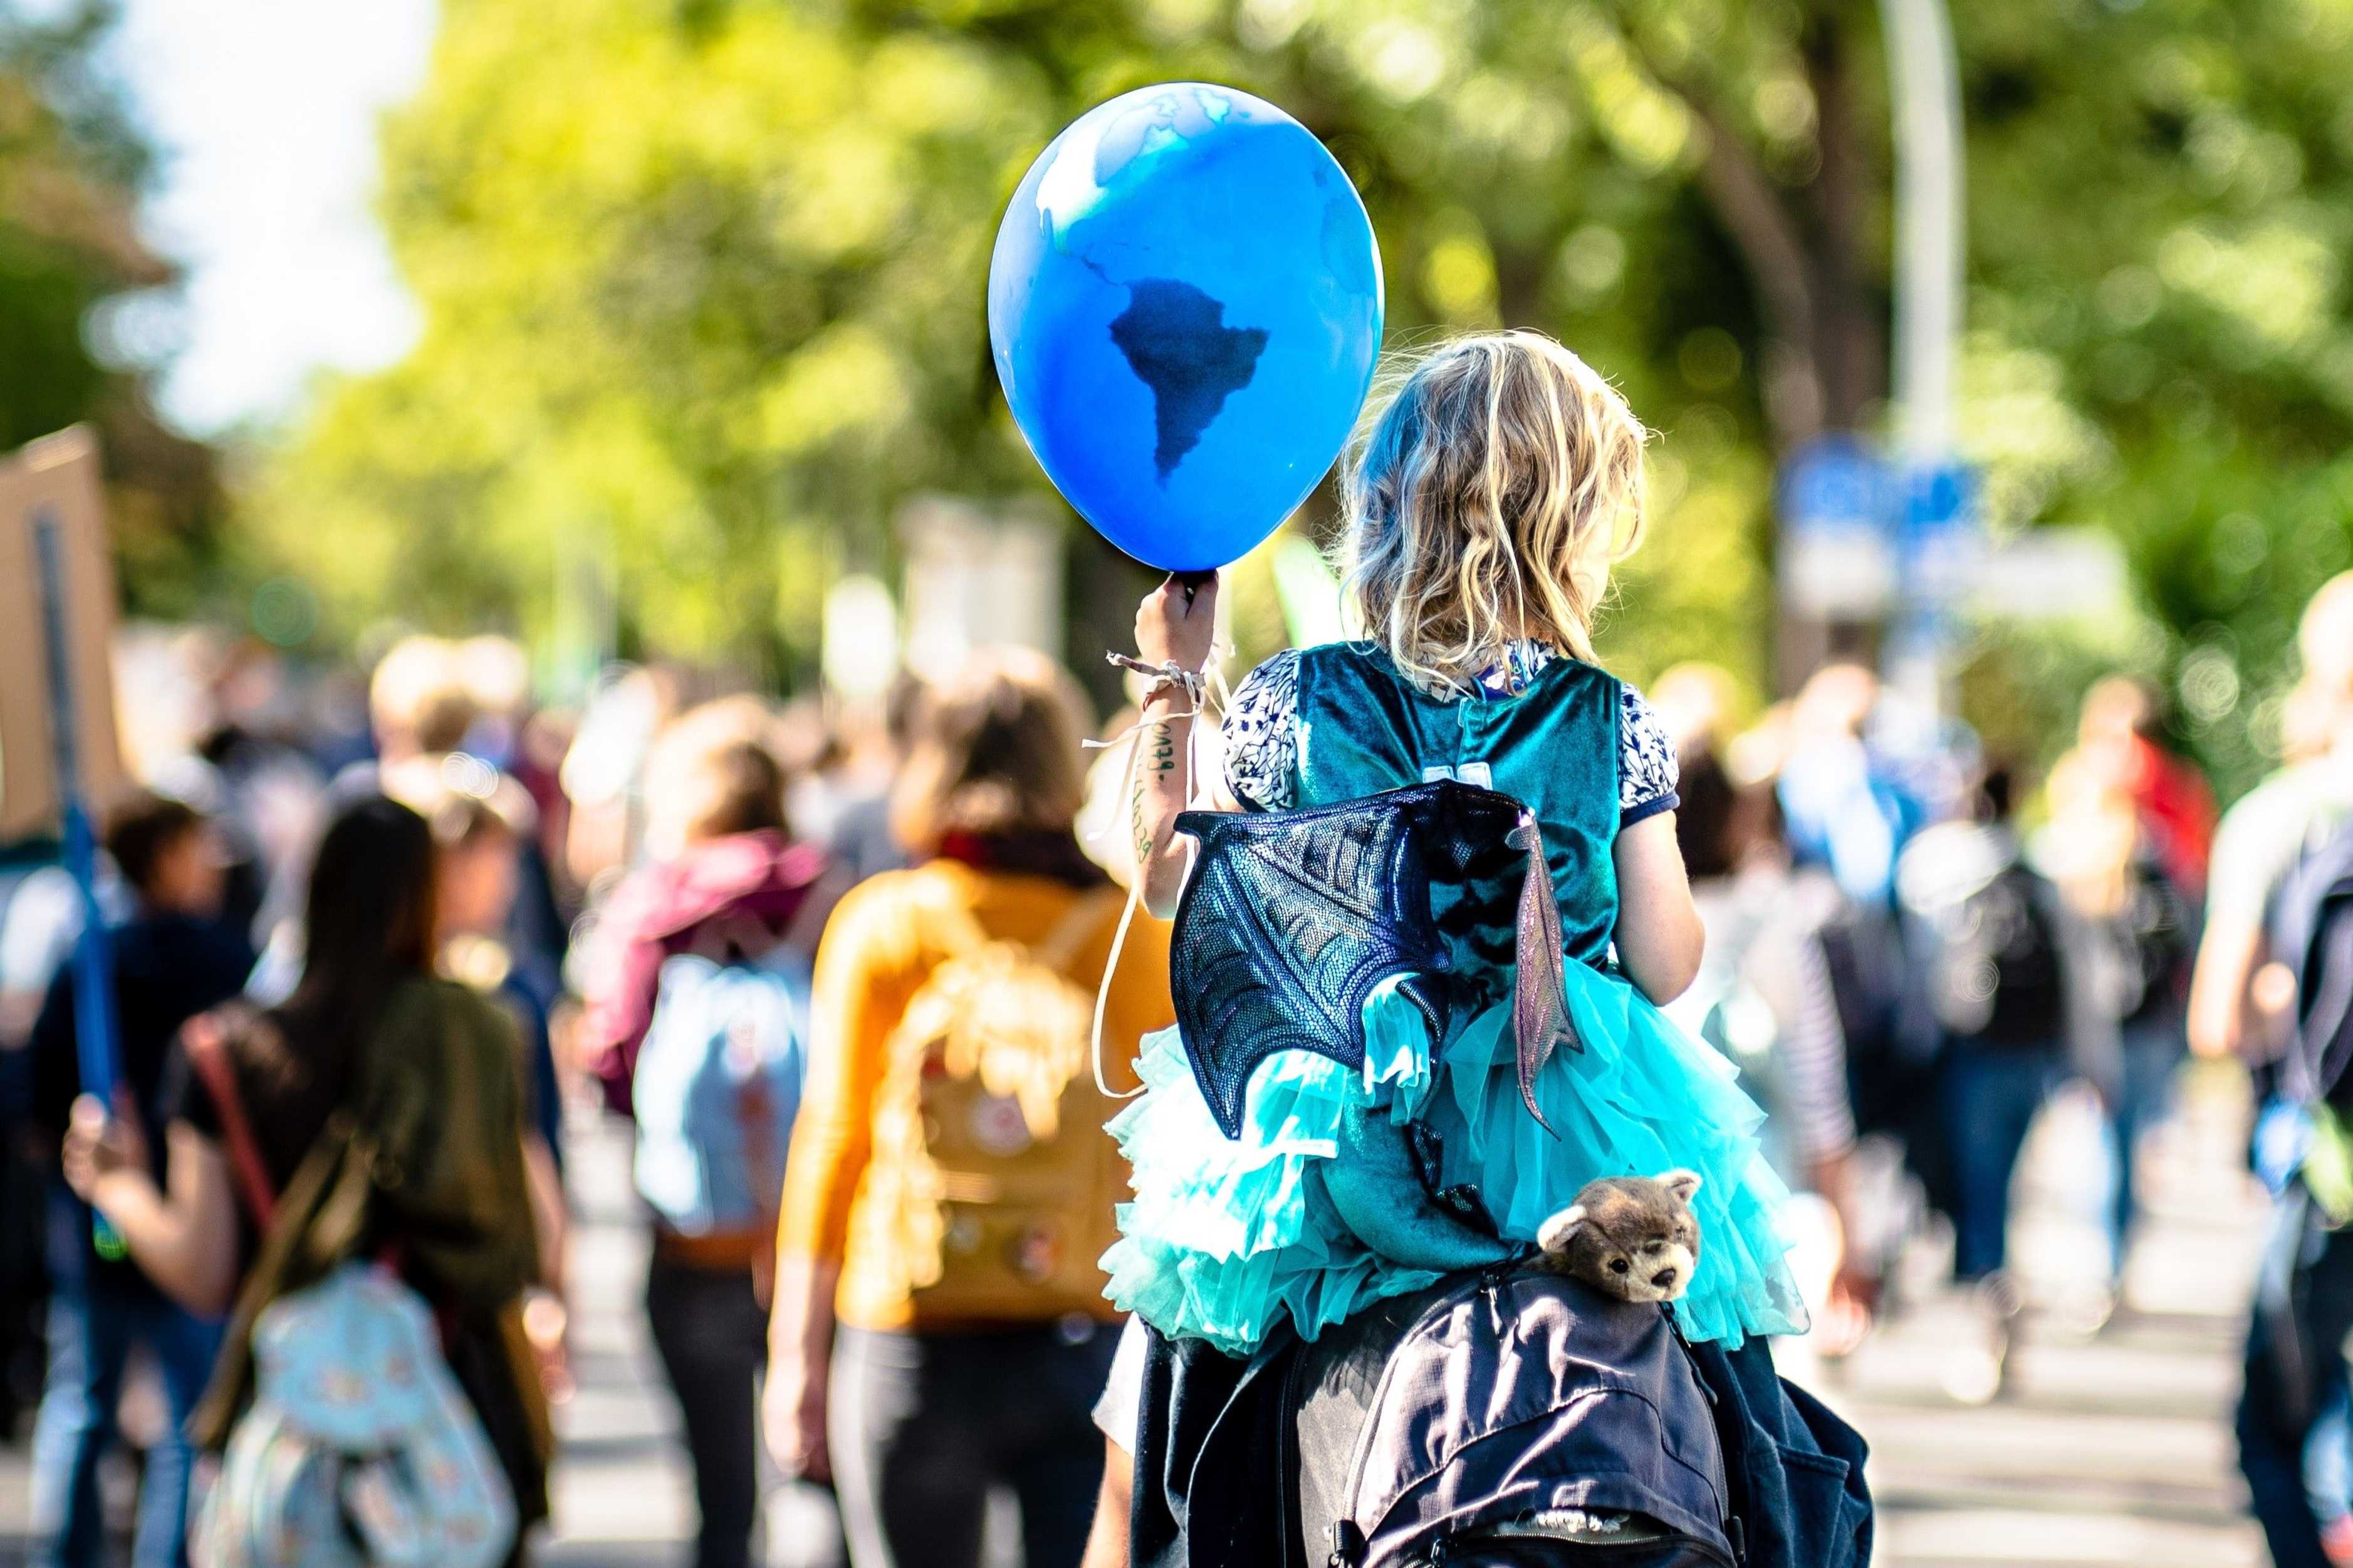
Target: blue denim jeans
[95,1322]
[2151,1056]
[1991,1095]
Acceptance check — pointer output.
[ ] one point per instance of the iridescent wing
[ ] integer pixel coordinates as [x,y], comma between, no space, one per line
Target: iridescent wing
[1291,919]
[1288,922]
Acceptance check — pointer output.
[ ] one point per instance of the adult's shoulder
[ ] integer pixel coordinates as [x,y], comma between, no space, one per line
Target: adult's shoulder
[909,887]
[236,1041]
[2280,783]
[431,1004]
[437,1038]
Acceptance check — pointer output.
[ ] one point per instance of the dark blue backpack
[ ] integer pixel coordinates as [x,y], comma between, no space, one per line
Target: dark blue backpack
[2311,931]
[1492,1421]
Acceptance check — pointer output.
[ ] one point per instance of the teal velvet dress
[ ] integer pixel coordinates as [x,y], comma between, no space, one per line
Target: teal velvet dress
[1226,1237]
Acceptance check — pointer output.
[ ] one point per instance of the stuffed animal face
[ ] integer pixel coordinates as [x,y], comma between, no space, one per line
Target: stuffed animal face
[1634,1237]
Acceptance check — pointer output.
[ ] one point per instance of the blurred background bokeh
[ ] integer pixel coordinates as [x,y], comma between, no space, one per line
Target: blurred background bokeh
[559,365]
[695,326]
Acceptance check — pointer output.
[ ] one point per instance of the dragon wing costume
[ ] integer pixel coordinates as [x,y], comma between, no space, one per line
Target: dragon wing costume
[1388,1062]
[1291,919]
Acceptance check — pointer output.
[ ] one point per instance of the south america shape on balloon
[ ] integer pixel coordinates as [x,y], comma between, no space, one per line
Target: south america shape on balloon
[1185,308]
[1176,340]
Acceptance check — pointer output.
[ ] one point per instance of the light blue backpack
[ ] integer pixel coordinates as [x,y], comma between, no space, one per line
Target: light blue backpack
[717,1085]
[360,1449]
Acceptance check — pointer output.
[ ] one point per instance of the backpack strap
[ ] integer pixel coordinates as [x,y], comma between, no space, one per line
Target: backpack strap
[204,1039]
[1060,944]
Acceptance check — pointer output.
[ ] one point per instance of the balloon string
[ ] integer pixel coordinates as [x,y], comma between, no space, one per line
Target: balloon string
[1193,683]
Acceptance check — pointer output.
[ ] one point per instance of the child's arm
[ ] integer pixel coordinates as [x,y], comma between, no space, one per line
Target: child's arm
[1171,627]
[1659,934]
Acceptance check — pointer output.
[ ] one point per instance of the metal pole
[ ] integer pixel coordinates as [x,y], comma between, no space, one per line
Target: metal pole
[1924,81]
[93,955]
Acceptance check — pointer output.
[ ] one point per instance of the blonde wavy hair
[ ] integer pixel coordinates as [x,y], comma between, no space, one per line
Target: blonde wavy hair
[1487,501]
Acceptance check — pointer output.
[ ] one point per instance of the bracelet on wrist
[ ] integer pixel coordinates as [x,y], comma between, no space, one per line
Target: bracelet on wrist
[1162,677]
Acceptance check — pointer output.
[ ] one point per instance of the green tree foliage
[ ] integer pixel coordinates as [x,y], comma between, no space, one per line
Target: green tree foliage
[71,169]
[704,282]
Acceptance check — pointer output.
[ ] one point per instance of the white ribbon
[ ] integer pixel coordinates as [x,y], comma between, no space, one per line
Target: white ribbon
[1195,685]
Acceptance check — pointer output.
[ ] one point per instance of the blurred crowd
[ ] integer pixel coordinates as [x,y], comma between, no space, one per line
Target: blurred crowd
[1911,946]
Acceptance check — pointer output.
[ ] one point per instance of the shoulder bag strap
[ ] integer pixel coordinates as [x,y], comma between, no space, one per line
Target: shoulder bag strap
[205,1041]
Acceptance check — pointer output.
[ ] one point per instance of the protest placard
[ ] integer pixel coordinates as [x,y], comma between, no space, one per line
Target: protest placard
[53,486]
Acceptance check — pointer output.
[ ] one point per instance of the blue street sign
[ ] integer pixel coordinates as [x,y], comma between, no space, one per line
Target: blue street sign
[1939,498]
[1835,484]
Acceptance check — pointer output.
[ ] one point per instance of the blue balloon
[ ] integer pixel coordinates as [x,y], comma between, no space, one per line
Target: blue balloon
[1185,304]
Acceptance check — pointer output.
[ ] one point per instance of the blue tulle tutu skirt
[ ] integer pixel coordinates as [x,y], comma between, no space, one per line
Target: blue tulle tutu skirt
[1228,1235]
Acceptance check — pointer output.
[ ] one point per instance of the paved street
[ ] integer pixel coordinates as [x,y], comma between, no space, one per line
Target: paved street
[2111,1449]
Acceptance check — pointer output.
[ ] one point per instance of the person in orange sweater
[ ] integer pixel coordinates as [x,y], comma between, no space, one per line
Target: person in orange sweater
[939,1324]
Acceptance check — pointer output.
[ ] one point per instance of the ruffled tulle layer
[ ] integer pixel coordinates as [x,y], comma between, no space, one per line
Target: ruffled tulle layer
[1227,1235]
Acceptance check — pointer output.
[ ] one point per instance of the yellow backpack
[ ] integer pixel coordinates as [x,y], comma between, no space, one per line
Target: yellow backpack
[990,1160]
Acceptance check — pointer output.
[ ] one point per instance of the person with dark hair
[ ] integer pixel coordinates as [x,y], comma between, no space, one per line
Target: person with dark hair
[173,959]
[373,1079]
[2005,979]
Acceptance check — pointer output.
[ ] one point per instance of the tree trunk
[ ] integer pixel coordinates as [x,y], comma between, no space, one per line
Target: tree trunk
[1823,358]
[1851,345]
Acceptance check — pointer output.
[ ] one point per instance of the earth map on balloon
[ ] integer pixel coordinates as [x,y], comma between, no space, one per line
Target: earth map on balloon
[1185,310]
[1174,338]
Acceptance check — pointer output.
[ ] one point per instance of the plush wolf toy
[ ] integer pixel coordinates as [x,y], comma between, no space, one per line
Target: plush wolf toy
[1632,1237]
